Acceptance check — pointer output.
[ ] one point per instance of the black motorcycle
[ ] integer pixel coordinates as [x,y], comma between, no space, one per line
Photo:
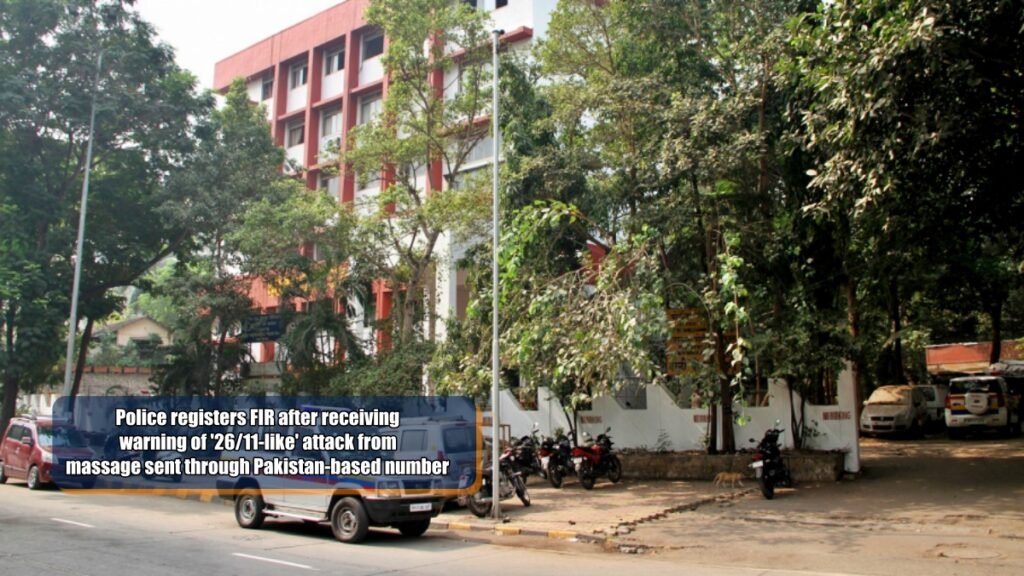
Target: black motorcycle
[769,467]
[524,456]
[511,483]
[556,458]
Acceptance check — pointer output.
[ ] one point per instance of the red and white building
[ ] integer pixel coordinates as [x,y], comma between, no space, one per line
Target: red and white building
[323,76]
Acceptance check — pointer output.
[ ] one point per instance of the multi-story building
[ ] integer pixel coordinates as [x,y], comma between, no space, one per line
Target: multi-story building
[323,76]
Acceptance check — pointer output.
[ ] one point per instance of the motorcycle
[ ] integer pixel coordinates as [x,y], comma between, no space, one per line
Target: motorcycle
[596,460]
[556,459]
[523,456]
[769,467]
[511,483]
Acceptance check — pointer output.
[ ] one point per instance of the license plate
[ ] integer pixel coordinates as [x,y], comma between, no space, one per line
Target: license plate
[544,462]
[757,464]
[421,507]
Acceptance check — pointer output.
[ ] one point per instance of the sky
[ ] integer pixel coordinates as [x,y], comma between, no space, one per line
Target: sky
[205,31]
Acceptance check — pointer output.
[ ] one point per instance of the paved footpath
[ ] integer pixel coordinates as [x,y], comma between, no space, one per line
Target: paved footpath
[599,515]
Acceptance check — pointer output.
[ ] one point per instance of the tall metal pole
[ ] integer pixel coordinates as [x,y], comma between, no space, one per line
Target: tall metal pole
[73,320]
[495,468]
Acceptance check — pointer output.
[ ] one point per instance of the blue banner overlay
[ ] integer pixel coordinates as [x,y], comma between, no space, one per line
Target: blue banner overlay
[390,445]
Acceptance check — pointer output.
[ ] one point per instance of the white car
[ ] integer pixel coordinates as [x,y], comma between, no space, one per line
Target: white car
[893,409]
[935,397]
[980,402]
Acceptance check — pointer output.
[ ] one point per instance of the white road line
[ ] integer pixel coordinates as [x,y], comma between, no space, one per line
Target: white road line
[271,560]
[72,522]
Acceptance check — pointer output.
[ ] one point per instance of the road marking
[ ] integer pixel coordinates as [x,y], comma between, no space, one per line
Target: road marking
[72,522]
[271,560]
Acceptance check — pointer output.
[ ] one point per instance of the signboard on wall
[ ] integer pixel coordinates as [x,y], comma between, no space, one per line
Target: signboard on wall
[685,346]
[261,328]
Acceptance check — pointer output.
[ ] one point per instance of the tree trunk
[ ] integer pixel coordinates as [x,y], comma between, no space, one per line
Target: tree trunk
[83,352]
[853,326]
[712,428]
[725,392]
[10,400]
[218,365]
[997,332]
[894,368]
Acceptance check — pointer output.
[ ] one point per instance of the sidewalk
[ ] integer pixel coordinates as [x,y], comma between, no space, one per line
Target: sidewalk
[607,512]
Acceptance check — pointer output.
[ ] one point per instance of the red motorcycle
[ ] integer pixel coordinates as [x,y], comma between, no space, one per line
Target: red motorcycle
[596,459]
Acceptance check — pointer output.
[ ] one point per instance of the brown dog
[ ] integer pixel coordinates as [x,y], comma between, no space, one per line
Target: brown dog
[733,478]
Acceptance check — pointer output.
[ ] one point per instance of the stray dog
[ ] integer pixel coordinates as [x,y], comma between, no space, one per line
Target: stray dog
[733,478]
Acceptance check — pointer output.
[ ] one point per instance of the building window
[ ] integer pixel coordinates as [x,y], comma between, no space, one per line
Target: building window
[373,45]
[296,134]
[330,125]
[297,77]
[370,107]
[331,185]
[268,87]
[501,3]
[334,61]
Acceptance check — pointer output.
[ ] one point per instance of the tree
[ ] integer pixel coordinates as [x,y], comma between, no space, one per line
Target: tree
[421,142]
[234,166]
[147,111]
[319,341]
[910,113]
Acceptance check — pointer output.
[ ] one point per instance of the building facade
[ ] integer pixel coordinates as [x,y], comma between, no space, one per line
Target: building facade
[320,78]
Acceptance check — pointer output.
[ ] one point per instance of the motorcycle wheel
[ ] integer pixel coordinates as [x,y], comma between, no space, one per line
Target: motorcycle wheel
[477,506]
[586,475]
[767,487]
[520,486]
[554,475]
[614,468]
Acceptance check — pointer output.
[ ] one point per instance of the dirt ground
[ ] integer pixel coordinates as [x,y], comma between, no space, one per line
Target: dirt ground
[930,506]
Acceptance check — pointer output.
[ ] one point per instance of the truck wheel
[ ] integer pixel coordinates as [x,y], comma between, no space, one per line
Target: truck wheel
[414,528]
[33,478]
[3,477]
[249,509]
[349,521]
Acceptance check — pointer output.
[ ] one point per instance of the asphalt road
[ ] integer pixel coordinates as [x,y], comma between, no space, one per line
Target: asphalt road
[52,533]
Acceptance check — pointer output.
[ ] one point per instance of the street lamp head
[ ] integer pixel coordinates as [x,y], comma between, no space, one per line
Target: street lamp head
[497,31]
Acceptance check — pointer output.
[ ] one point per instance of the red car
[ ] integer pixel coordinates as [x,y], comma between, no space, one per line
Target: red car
[26,450]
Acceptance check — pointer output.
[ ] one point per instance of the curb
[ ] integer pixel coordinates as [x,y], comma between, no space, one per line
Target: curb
[506,530]
[607,540]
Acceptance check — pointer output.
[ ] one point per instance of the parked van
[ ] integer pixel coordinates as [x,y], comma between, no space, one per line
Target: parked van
[436,438]
[351,504]
[981,402]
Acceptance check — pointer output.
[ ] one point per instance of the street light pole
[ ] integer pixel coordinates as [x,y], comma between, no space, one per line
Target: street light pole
[73,320]
[495,363]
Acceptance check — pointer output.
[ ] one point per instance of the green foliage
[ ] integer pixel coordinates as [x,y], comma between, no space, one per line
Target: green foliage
[148,112]
[397,372]
[424,139]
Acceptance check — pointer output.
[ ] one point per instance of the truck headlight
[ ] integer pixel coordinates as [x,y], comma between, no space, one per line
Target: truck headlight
[47,456]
